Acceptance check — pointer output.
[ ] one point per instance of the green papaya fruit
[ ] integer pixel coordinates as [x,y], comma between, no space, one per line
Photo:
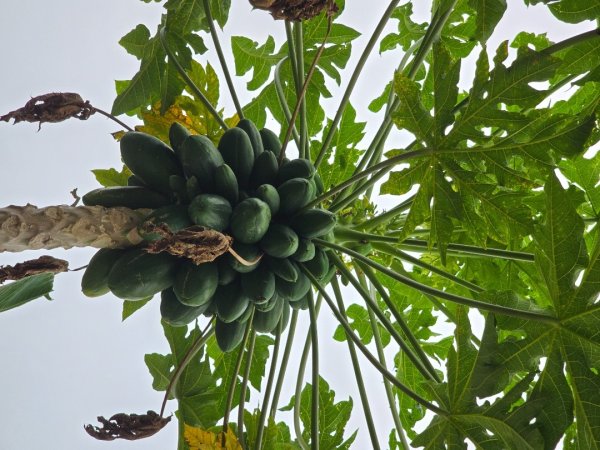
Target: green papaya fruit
[254,135]
[138,275]
[305,252]
[270,141]
[210,211]
[282,268]
[265,322]
[231,302]
[294,194]
[312,223]
[319,265]
[177,134]
[296,168]
[249,252]
[176,313]
[279,241]
[134,197]
[293,291]
[229,335]
[268,194]
[227,274]
[236,150]
[175,217]
[200,158]
[265,170]
[250,220]
[150,159]
[94,282]
[194,284]
[226,184]
[258,285]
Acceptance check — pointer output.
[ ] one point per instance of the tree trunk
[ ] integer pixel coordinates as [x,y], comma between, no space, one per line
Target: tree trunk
[32,228]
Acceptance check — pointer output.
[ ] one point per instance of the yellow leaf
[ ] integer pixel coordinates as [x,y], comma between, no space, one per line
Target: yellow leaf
[199,439]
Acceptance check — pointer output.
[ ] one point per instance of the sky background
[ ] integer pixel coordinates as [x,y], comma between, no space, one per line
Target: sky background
[62,363]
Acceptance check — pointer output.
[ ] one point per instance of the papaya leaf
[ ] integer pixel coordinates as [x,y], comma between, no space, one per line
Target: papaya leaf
[197,391]
[157,79]
[488,13]
[22,291]
[570,11]
[112,177]
[333,417]
[130,307]
[276,435]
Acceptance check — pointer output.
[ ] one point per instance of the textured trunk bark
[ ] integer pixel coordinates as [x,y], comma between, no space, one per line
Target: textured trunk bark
[32,228]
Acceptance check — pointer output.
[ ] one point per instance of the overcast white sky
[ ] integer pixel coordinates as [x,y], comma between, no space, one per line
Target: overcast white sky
[62,363]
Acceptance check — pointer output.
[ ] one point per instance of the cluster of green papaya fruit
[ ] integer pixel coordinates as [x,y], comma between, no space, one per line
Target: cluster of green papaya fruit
[238,188]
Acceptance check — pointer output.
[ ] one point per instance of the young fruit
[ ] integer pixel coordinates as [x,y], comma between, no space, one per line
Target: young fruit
[176,313]
[177,134]
[265,170]
[150,159]
[200,158]
[138,275]
[249,252]
[226,184]
[94,282]
[250,220]
[231,302]
[313,223]
[280,241]
[229,335]
[265,322]
[270,141]
[210,211]
[294,194]
[259,285]
[296,168]
[254,135]
[268,194]
[236,150]
[293,291]
[133,197]
[282,268]
[195,285]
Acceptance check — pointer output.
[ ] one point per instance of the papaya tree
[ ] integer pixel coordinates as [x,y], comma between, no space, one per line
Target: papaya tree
[473,294]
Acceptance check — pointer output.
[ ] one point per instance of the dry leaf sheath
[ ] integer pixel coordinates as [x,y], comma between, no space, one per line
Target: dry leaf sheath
[295,10]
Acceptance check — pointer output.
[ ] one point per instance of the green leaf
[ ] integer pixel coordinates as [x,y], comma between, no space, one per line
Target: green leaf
[488,13]
[276,435]
[333,417]
[26,289]
[112,177]
[571,11]
[250,55]
[561,245]
[129,307]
